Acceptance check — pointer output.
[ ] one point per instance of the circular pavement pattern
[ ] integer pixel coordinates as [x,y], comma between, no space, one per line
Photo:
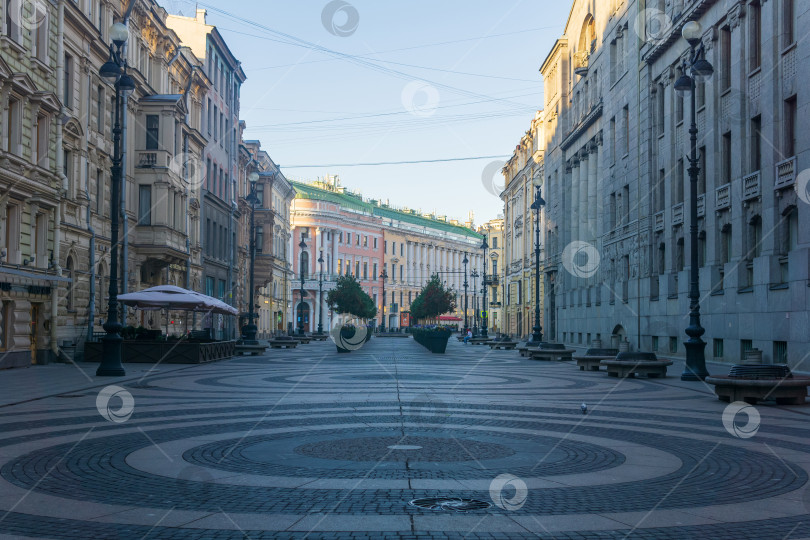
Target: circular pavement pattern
[304,443]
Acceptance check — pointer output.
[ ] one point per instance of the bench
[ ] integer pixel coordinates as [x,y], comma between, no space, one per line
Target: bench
[319,337]
[283,342]
[479,341]
[786,391]
[540,353]
[251,349]
[303,339]
[630,364]
[590,361]
[505,345]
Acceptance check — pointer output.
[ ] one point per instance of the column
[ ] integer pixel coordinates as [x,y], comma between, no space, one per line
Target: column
[585,178]
[592,191]
[335,255]
[314,252]
[574,197]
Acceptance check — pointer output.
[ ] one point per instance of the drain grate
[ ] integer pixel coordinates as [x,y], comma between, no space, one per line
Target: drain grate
[454,504]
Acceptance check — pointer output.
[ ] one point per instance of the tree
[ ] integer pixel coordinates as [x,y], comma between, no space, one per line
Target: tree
[433,300]
[349,297]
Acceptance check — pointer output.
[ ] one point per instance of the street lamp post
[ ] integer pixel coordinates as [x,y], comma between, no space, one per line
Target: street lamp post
[484,285]
[114,71]
[303,246]
[250,329]
[697,69]
[383,276]
[474,274]
[320,294]
[466,320]
[537,205]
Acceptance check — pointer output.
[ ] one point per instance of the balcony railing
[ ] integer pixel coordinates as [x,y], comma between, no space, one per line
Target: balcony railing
[723,197]
[148,159]
[785,173]
[752,187]
[659,221]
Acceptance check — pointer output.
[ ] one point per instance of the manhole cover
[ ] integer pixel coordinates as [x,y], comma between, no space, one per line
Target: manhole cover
[454,504]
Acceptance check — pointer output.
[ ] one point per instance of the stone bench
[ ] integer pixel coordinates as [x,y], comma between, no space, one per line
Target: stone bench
[630,364]
[505,345]
[319,337]
[550,354]
[284,343]
[303,339]
[590,361]
[479,341]
[251,349]
[787,391]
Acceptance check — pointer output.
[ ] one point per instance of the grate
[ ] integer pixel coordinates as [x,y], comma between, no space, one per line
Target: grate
[453,504]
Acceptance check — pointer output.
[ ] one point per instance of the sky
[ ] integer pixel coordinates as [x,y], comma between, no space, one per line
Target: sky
[345,82]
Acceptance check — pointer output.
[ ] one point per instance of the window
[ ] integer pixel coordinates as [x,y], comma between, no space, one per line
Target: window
[789,140]
[99,191]
[260,194]
[755,36]
[677,185]
[788,22]
[613,210]
[39,40]
[673,344]
[365,241]
[210,113]
[303,265]
[756,144]
[725,244]
[221,291]
[339,266]
[660,110]
[152,131]
[655,344]
[745,346]
[717,349]
[725,59]
[375,275]
[401,249]
[357,268]
[15,126]
[144,205]
[100,109]
[393,271]
[613,140]
[209,286]
[357,239]
[68,90]
[349,238]
[701,185]
[780,355]
[40,146]
[259,239]
[726,158]
[67,169]
[365,270]
[495,242]
[385,247]
[375,243]
[626,119]
[494,268]
[401,273]
[13,234]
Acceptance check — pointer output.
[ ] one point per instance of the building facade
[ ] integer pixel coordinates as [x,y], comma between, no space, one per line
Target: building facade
[409,245]
[496,283]
[220,125]
[616,140]
[524,167]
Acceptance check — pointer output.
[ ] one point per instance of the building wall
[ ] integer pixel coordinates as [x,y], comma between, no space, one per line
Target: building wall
[620,143]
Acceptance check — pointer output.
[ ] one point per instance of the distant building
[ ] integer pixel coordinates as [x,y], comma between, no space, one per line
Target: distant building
[496,288]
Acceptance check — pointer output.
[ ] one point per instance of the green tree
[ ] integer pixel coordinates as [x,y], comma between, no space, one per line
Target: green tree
[433,300]
[349,297]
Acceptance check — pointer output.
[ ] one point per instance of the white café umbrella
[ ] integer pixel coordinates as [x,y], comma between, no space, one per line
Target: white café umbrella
[175,298]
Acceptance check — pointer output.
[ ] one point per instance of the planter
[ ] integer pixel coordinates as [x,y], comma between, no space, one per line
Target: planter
[433,340]
[342,350]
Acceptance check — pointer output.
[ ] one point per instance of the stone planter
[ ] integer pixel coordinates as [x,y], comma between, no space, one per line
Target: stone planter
[433,340]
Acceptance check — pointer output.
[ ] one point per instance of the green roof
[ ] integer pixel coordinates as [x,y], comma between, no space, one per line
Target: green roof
[355,202]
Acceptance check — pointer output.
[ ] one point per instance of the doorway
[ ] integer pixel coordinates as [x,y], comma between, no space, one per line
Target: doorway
[34,334]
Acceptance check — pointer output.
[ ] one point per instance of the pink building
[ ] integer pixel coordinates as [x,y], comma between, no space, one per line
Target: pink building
[338,227]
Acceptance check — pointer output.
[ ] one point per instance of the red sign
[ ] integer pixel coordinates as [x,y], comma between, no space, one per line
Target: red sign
[405,319]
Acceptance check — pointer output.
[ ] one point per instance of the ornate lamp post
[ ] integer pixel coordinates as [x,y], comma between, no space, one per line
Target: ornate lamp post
[466,321]
[320,294]
[303,246]
[114,71]
[383,276]
[250,329]
[537,205]
[484,285]
[698,69]
[474,274]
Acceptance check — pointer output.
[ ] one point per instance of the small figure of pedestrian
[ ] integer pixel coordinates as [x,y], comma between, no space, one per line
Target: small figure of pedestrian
[468,337]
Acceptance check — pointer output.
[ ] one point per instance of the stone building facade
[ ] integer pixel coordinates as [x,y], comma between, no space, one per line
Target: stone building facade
[496,282]
[525,165]
[618,186]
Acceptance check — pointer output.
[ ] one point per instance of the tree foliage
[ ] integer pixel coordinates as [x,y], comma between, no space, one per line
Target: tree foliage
[433,300]
[349,297]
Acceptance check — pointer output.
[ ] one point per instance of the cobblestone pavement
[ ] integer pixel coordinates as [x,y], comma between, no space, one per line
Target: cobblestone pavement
[305,443]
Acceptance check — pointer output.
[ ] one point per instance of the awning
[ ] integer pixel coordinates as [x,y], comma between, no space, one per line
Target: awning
[175,298]
[450,318]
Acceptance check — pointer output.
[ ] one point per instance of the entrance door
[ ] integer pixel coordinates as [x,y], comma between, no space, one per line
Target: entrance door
[303,315]
[34,331]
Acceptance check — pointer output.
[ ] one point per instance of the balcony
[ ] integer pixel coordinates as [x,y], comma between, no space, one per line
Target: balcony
[658,220]
[752,187]
[701,205]
[723,197]
[150,159]
[785,173]
[581,61]
[677,214]
[160,242]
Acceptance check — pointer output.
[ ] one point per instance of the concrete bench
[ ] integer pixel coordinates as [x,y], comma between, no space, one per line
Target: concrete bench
[479,341]
[505,345]
[284,343]
[630,364]
[590,361]
[787,391]
[251,349]
[303,339]
[550,354]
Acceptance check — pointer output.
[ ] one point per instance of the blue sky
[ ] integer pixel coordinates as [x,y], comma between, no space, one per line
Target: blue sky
[391,81]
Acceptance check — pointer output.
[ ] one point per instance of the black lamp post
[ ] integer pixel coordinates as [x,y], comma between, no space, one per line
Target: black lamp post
[484,285]
[383,276]
[537,205]
[303,246]
[250,329]
[474,274]
[466,321]
[114,71]
[698,69]
[320,294]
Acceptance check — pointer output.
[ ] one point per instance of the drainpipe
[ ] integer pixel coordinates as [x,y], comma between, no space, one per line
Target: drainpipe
[60,168]
[91,307]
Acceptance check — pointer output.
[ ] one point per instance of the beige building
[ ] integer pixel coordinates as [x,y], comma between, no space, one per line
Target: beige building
[31,183]
[520,172]
[496,288]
